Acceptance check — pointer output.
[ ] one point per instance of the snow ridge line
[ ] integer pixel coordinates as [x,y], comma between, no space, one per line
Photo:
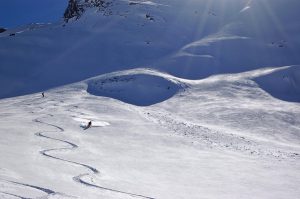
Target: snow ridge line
[79,177]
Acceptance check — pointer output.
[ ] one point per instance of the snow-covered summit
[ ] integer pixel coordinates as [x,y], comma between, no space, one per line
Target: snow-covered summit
[190,39]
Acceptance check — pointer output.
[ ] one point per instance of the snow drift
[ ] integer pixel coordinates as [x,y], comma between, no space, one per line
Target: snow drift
[137,89]
[283,84]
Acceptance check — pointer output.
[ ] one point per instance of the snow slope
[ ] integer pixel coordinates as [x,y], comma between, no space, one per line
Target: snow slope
[221,137]
[190,39]
[187,99]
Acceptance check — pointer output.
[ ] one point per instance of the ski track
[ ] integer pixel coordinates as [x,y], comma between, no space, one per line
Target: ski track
[90,168]
[45,190]
[14,195]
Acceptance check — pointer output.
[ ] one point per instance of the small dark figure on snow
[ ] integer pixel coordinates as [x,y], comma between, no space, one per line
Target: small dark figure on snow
[43,94]
[88,126]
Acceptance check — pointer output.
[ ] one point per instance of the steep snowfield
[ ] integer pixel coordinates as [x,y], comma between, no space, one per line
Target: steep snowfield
[190,39]
[188,99]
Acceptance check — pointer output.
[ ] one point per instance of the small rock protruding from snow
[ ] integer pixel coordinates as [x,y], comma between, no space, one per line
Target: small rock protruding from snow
[2,30]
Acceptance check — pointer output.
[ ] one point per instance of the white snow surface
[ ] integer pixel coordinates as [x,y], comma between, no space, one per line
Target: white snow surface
[188,99]
[221,137]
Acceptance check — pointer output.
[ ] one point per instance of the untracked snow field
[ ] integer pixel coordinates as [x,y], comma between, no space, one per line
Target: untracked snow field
[220,137]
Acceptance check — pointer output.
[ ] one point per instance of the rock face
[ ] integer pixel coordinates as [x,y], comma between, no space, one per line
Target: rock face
[77,7]
[73,10]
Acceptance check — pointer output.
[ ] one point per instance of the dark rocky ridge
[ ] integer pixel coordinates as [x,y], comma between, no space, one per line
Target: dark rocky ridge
[77,7]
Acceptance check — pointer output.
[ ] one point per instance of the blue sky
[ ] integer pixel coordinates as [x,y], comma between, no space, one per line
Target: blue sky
[18,12]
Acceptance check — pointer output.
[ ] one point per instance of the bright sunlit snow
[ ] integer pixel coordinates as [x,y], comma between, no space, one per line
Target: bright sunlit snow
[164,99]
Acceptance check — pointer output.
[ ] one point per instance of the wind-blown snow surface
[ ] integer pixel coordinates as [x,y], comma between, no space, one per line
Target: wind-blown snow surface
[221,137]
[191,39]
[216,113]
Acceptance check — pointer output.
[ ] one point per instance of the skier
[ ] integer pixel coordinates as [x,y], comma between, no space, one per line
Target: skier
[43,94]
[88,126]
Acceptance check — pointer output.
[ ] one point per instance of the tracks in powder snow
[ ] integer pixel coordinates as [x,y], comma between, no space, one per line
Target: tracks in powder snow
[73,146]
[47,191]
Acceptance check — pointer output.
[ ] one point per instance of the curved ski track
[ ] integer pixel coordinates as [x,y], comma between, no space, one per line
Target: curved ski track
[45,190]
[90,168]
[14,195]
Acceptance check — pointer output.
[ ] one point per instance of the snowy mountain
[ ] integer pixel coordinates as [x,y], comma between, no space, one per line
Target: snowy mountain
[189,39]
[186,99]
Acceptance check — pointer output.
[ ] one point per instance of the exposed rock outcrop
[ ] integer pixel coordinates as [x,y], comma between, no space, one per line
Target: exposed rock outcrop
[2,30]
[77,7]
